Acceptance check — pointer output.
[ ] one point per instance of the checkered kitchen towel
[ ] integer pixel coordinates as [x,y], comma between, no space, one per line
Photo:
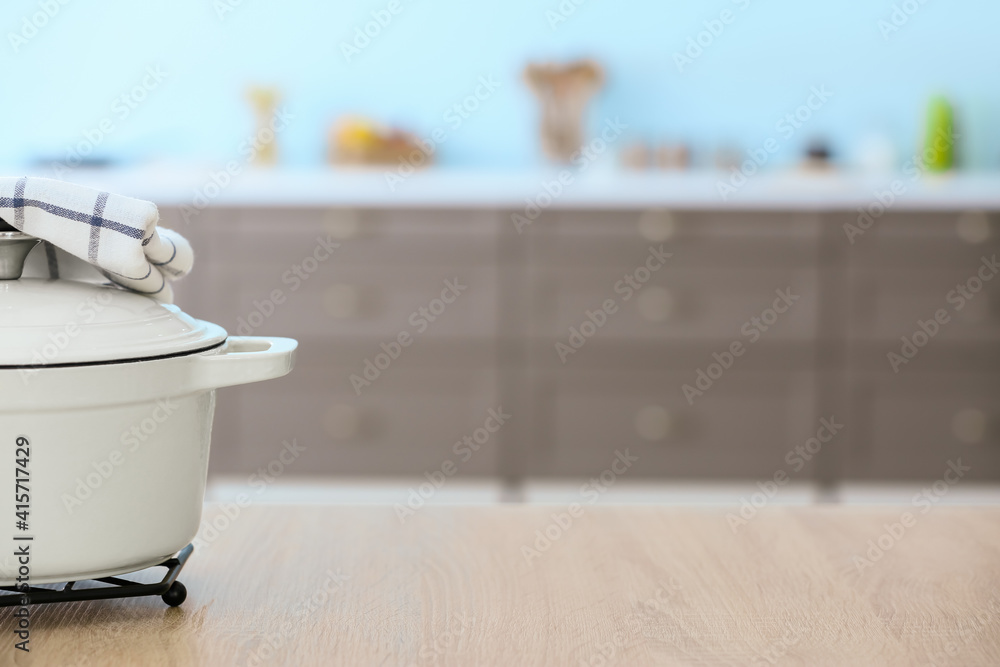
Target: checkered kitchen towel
[116,234]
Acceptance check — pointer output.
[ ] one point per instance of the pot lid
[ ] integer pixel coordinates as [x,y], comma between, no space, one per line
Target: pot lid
[61,322]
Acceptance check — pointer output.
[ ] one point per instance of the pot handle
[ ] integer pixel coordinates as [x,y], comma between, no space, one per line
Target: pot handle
[246,359]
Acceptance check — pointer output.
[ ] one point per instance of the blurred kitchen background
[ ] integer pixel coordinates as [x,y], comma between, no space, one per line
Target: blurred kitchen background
[750,244]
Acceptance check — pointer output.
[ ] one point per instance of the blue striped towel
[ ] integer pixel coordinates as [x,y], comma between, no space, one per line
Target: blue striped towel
[116,234]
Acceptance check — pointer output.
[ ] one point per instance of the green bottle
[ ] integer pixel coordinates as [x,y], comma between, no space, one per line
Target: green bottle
[939,143]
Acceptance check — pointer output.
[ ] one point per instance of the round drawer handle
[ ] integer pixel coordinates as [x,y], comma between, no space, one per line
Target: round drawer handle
[342,301]
[654,423]
[973,227]
[342,422]
[657,225]
[969,426]
[655,304]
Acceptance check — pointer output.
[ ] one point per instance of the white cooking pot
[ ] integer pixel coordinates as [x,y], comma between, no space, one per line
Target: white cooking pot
[106,400]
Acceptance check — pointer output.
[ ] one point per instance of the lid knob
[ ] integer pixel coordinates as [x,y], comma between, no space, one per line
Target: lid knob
[14,249]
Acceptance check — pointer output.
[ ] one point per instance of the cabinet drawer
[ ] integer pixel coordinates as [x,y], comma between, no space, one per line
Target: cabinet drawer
[910,427]
[922,240]
[282,238]
[406,423]
[349,301]
[887,304]
[675,304]
[749,239]
[743,427]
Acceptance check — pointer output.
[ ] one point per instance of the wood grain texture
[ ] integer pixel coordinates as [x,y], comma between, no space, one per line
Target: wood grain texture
[619,586]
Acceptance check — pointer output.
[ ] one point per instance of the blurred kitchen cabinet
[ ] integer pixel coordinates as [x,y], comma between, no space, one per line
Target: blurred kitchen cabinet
[696,239]
[926,240]
[746,427]
[396,317]
[674,305]
[409,423]
[916,425]
[924,347]
[353,285]
[890,303]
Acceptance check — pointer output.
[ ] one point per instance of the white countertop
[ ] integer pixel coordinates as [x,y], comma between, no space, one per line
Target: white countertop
[593,189]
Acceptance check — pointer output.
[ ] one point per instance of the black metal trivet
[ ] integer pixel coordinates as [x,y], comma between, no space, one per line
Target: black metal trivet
[171,590]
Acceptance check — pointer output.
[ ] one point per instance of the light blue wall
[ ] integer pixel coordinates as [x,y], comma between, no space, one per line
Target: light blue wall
[65,79]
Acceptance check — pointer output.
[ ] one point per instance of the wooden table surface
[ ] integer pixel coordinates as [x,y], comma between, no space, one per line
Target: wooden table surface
[336,585]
